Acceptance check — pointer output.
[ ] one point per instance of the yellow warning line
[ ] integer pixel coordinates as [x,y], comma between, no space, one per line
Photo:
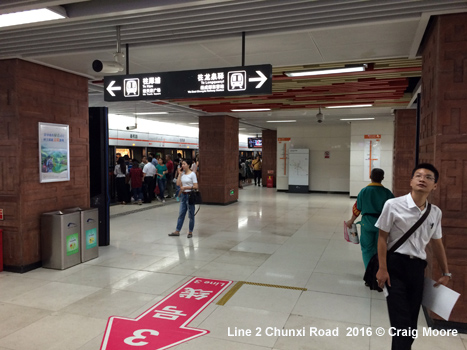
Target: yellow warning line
[230,293]
[274,286]
[239,284]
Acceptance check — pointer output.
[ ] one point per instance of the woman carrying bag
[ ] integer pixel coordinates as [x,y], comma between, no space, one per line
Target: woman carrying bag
[187,181]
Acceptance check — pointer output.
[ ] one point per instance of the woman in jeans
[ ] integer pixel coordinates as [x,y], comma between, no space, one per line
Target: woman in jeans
[187,181]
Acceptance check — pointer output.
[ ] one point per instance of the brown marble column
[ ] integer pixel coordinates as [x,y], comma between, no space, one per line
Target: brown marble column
[29,94]
[443,140]
[404,150]
[269,154]
[218,151]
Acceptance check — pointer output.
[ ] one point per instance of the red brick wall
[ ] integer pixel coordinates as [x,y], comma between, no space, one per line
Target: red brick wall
[443,139]
[29,94]
[218,152]
[404,150]
[269,154]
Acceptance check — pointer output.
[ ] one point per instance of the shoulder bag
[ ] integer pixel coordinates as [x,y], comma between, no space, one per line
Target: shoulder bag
[373,265]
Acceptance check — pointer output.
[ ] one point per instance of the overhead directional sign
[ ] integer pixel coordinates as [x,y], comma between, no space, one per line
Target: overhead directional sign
[165,324]
[216,82]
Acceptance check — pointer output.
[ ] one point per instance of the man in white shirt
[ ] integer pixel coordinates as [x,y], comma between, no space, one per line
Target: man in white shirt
[149,171]
[403,271]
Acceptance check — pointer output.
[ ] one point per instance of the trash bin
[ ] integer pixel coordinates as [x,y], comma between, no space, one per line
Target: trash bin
[60,240]
[89,232]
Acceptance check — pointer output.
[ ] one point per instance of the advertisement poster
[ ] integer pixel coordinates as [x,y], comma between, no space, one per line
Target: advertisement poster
[54,152]
[372,154]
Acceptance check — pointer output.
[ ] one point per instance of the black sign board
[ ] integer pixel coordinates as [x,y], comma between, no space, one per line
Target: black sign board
[215,82]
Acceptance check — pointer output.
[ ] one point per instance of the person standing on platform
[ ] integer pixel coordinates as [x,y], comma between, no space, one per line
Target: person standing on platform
[136,176]
[161,179]
[144,161]
[149,171]
[169,176]
[257,165]
[370,202]
[402,272]
[121,172]
[154,159]
[187,181]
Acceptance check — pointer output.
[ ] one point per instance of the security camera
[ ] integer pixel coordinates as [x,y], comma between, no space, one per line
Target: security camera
[131,127]
[319,117]
[107,66]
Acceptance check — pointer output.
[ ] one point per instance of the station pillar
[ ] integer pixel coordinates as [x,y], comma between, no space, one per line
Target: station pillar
[269,156]
[218,154]
[29,94]
[405,130]
[443,142]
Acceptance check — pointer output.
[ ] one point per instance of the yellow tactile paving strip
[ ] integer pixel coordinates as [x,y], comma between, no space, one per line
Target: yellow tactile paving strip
[239,284]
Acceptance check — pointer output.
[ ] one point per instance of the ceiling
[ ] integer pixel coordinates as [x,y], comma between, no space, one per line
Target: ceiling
[172,35]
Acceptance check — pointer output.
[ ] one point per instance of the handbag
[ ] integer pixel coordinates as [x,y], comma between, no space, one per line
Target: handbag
[373,265]
[194,197]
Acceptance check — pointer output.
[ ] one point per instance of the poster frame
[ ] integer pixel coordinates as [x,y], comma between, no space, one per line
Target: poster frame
[64,131]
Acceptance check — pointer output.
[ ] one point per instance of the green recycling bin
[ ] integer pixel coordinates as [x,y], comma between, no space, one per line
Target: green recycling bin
[60,239]
[89,219]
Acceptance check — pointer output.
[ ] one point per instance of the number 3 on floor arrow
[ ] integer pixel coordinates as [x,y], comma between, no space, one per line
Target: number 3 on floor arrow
[139,335]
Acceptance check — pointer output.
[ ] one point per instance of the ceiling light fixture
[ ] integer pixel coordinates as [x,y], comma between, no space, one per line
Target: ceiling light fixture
[281,121]
[32,16]
[348,69]
[150,113]
[251,110]
[351,106]
[193,123]
[358,119]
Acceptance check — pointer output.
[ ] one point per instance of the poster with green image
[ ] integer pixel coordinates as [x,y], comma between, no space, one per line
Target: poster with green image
[72,244]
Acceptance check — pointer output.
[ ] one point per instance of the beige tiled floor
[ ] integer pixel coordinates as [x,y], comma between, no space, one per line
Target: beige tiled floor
[267,237]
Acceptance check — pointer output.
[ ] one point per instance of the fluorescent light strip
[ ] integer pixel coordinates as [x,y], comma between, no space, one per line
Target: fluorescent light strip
[150,113]
[251,110]
[193,123]
[281,121]
[326,71]
[31,16]
[351,106]
[358,119]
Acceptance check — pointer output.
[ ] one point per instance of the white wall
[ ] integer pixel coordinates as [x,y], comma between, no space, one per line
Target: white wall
[330,174]
[358,130]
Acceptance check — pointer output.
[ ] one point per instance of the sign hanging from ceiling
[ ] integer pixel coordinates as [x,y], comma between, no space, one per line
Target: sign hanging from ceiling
[215,82]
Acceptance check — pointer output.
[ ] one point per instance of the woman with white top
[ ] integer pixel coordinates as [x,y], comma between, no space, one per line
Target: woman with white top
[121,171]
[187,181]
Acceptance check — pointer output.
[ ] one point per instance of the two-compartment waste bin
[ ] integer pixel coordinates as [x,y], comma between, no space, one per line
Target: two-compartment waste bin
[89,241]
[60,239]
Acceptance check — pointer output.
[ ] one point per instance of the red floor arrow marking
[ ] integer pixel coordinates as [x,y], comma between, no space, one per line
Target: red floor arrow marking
[164,324]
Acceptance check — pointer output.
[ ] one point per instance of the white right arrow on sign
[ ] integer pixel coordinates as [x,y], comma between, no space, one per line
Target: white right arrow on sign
[262,79]
[111,88]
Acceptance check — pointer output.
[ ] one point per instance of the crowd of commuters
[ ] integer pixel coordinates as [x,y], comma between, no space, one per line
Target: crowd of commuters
[154,178]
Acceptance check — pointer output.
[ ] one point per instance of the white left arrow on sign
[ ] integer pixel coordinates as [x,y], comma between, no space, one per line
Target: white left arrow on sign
[111,88]
[262,79]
